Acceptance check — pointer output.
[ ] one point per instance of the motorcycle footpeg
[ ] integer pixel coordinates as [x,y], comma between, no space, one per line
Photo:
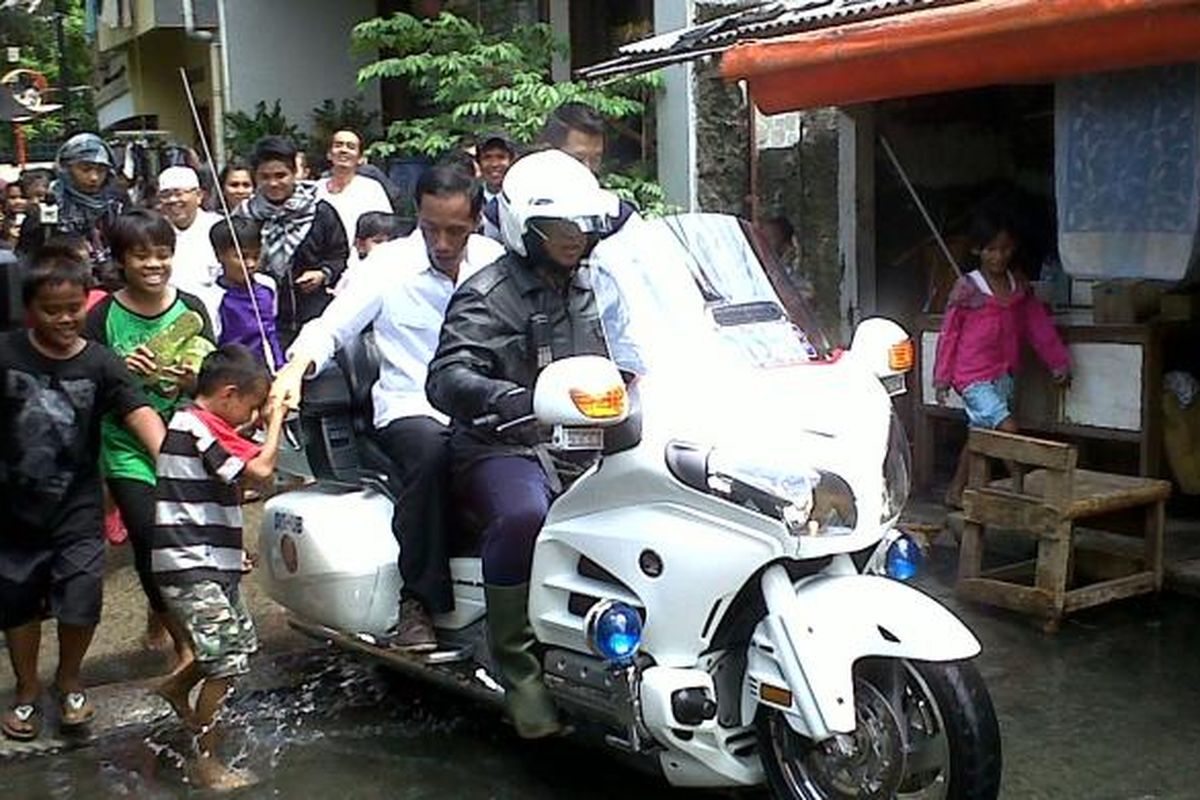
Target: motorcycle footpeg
[452,654]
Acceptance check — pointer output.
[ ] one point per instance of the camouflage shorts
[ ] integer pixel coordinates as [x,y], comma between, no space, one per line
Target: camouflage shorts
[221,630]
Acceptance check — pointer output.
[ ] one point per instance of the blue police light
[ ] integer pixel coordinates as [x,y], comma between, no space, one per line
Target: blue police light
[614,630]
[904,558]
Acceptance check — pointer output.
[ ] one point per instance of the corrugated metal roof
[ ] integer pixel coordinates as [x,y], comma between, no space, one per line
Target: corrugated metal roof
[762,21]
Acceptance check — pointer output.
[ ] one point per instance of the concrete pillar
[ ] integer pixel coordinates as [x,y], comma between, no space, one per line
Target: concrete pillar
[216,81]
[676,113]
[856,213]
[560,24]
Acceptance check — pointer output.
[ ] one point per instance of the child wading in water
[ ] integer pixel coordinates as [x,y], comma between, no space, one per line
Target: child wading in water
[135,322]
[989,313]
[198,552]
[54,387]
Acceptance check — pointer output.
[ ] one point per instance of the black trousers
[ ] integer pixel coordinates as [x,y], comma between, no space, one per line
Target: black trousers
[136,501]
[420,450]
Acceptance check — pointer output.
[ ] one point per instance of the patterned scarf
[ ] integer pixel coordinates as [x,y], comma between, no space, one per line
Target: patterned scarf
[79,211]
[284,225]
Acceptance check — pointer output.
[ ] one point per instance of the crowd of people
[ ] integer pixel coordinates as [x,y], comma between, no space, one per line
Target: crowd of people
[146,354]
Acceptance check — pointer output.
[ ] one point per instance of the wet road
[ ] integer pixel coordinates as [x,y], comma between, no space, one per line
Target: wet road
[349,731]
[1109,709]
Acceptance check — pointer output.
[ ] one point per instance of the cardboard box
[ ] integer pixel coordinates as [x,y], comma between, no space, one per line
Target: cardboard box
[1126,301]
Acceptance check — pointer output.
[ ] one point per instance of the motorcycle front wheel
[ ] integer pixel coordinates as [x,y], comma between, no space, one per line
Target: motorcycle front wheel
[924,731]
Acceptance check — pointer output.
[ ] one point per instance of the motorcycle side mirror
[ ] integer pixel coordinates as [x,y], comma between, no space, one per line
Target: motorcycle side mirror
[581,391]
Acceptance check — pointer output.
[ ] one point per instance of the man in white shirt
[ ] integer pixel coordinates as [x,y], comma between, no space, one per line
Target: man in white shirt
[404,294]
[350,194]
[194,268]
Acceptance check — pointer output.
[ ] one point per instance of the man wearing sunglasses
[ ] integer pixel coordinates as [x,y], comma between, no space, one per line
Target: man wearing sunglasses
[503,325]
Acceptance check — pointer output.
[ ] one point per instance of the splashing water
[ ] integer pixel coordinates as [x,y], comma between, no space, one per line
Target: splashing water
[342,729]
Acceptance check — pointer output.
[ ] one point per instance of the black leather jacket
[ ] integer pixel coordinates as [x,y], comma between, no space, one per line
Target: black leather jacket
[489,346]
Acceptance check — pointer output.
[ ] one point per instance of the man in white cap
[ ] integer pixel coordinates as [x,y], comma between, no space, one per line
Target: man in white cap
[194,268]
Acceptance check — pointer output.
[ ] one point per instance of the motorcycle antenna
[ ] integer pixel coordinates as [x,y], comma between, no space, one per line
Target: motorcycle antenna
[228,219]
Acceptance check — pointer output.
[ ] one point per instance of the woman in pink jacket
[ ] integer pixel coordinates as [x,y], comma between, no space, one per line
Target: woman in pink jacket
[989,313]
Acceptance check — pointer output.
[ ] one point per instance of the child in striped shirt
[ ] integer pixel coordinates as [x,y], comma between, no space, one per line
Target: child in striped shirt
[197,555]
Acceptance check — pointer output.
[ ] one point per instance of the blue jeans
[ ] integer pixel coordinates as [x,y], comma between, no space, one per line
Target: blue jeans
[988,403]
[510,495]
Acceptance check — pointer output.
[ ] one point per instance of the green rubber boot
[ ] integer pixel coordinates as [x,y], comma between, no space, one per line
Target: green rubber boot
[511,638]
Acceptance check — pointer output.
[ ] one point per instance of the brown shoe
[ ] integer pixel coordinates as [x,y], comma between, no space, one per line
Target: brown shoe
[414,631]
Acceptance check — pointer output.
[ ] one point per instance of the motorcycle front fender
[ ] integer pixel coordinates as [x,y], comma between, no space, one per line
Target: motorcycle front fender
[802,654]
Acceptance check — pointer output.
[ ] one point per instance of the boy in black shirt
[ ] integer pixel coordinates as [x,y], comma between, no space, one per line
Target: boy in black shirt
[54,387]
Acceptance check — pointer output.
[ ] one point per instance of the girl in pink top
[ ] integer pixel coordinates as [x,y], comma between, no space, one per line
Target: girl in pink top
[989,313]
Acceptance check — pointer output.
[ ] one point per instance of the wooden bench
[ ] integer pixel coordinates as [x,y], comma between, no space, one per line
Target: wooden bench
[1045,498]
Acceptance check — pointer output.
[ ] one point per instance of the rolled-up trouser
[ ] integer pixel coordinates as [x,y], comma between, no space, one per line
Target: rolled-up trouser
[511,496]
[420,450]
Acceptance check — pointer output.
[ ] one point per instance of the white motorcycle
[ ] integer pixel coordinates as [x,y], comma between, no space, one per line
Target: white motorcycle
[721,595]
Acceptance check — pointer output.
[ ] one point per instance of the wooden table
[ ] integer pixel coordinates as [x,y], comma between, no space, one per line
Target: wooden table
[1115,395]
[1045,499]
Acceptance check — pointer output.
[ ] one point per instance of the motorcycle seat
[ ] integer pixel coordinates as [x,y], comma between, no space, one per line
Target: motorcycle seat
[339,433]
[359,362]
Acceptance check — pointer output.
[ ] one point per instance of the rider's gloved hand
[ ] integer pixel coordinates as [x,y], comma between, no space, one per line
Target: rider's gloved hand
[513,405]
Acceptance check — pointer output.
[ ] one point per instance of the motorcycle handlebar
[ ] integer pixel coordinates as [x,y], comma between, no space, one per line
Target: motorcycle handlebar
[496,425]
[486,421]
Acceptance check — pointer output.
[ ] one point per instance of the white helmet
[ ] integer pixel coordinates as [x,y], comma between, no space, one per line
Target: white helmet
[551,185]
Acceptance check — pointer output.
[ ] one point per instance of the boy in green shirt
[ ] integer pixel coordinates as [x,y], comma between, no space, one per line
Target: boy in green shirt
[162,334]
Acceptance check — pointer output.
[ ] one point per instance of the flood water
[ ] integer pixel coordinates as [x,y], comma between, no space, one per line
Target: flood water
[1108,709]
[349,731]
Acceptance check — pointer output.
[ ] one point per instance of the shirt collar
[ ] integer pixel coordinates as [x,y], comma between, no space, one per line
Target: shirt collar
[466,268]
[409,254]
[981,283]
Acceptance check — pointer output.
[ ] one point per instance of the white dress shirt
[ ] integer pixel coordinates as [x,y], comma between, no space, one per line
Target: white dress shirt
[399,291]
[194,267]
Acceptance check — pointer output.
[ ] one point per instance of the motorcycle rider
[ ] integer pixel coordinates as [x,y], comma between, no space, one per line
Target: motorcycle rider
[402,290]
[533,306]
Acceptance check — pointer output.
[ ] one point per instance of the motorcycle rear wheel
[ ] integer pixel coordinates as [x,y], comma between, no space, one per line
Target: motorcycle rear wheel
[926,731]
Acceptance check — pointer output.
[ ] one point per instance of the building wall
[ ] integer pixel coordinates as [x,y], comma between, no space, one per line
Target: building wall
[147,15]
[722,130]
[799,181]
[297,51]
[154,62]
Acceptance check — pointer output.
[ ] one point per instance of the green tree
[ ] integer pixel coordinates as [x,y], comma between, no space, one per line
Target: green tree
[330,117]
[467,80]
[34,34]
[242,130]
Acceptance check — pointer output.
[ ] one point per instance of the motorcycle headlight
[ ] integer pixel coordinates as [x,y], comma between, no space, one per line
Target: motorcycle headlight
[897,472]
[809,502]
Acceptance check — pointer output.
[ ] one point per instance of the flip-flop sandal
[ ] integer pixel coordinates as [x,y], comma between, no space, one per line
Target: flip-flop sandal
[22,722]
[76,709]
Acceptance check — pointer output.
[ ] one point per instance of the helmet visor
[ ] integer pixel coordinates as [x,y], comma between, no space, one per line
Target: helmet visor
[550,227]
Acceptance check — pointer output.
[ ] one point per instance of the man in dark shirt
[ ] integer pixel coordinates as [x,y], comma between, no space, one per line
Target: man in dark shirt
[304,245]
[504,324]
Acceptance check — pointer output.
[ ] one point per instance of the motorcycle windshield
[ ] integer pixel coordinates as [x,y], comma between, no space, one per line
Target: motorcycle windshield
[692,290]
[687,304]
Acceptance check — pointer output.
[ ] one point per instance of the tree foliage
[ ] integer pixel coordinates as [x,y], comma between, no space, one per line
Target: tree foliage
[349,115]
[242,130]
[34,34]
[467,81]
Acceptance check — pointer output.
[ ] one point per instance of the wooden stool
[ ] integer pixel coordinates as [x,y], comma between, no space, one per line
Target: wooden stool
[1045,503]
